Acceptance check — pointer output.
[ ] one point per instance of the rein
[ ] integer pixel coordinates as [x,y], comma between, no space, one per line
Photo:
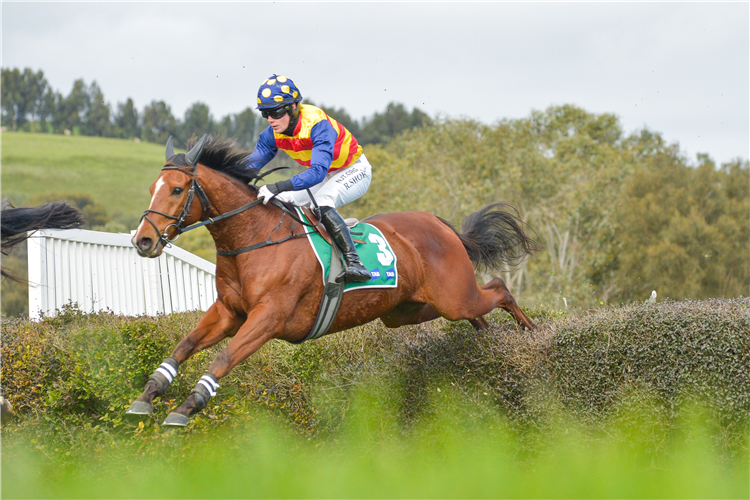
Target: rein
[197,189]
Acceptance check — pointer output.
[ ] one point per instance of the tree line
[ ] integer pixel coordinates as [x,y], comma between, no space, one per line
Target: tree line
[618,215]
[30,104]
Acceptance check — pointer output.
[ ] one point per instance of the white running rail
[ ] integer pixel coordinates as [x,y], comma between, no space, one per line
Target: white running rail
[103,271]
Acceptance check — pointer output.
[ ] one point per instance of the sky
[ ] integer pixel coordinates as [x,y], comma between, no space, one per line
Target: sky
[680,69]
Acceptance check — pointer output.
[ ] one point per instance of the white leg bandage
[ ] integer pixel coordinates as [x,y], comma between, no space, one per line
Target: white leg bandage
[209,383]
[168,371]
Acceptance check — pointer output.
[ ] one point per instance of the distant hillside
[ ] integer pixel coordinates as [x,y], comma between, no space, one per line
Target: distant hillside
[114,172]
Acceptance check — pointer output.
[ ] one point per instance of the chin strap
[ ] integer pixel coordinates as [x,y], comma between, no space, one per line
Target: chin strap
[293,119]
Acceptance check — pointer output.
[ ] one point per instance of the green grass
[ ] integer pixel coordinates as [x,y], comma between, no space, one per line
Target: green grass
[448,455]
[116,173]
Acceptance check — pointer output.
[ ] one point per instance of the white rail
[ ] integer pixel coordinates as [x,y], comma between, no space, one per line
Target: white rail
[102,271]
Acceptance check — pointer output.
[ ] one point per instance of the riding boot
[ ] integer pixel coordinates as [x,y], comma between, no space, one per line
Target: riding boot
[337,228]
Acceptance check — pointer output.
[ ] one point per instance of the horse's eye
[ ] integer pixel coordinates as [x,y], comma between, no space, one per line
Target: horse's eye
[177,191]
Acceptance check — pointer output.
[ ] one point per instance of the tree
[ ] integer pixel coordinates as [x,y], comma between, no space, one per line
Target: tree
[24,97]
[126,120]
[158,122]
[245,127]
[198,121]
[47,111]
[382,127]
[97,117]
[684,230]
[71,110]
[240,127]
[565,186]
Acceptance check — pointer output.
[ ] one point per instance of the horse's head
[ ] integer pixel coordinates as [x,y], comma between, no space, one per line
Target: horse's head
[173,197]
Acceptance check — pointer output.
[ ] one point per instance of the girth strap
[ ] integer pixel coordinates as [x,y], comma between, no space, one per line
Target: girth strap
[333,294]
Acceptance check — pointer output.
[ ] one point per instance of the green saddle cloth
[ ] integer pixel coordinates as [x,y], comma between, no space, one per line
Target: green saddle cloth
[376,255]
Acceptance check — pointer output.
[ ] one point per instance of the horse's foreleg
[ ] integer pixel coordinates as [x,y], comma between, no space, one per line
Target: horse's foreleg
[218,323]
[505,300]
[259,328]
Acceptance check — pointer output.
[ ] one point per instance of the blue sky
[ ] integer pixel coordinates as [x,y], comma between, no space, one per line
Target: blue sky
[681,69]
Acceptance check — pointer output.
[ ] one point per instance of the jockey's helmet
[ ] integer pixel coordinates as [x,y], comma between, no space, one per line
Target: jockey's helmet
[278,91]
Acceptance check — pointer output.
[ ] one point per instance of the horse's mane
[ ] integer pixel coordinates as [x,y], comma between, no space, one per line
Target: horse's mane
[223,155]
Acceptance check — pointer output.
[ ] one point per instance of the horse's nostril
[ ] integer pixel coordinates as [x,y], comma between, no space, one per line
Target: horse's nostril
[144,243]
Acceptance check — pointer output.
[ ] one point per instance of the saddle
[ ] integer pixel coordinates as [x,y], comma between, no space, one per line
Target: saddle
[321,230]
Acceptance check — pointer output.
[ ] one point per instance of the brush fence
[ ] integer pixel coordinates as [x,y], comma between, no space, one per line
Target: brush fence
[103,272]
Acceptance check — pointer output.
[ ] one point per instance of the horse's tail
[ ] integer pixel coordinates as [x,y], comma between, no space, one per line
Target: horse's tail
[494,237]
[15,223]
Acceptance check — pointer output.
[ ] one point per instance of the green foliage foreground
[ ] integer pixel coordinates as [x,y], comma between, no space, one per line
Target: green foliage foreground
[648,400]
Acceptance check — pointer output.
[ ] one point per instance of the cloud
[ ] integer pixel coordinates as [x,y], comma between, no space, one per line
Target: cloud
[679,68]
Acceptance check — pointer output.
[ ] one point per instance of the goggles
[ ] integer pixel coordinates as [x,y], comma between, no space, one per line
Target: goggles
[276,114]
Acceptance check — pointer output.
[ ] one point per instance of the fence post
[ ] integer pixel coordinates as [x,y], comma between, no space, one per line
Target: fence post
[37,270]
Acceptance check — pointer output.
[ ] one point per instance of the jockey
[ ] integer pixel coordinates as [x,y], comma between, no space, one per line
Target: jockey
[337,170]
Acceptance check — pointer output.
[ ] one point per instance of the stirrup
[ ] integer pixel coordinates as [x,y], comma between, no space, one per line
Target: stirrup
[354,273]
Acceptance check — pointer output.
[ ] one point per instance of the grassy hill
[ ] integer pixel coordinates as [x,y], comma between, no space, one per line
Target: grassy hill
[114,172]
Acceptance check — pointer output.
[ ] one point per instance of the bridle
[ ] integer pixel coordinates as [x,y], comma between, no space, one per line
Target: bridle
[178,225]
[196,189]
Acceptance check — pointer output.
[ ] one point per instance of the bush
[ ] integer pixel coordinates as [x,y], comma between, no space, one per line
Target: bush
[92,366]
[670,351]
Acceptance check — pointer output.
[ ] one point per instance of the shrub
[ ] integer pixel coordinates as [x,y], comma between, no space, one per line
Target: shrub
[88,368]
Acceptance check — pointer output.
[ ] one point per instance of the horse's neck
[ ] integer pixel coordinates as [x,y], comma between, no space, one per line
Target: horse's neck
[225,195]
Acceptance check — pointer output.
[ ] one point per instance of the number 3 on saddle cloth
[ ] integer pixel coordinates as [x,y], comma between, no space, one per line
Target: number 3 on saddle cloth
[376,255]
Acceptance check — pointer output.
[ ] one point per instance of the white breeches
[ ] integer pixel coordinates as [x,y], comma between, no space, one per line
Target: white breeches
[337,188]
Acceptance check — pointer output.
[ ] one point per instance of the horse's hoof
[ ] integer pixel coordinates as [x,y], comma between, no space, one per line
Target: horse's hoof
[140,408]
[175,420]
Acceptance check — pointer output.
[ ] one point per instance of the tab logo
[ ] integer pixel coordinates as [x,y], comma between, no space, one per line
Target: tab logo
[375,273]
[390,274]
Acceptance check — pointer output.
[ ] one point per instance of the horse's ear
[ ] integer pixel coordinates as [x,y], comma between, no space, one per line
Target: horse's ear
[195,154]
[170,148]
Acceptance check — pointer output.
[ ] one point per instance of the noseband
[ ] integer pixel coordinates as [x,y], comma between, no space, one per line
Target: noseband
[178,225]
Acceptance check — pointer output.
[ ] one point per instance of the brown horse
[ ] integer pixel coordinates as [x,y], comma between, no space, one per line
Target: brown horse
[274,291]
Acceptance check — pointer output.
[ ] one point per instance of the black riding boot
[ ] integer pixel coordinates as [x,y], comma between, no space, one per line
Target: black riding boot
[339,232]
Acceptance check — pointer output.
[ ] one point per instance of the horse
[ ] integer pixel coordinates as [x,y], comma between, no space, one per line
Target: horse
[274,290]
[17,224]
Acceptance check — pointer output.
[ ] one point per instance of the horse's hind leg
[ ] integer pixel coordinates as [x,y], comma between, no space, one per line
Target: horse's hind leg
[218,323]
[466,300]
[479,323]
[409,313]
[505,300]
[414,313]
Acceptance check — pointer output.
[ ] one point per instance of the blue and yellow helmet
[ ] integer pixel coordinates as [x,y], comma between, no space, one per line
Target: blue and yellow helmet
[277,91]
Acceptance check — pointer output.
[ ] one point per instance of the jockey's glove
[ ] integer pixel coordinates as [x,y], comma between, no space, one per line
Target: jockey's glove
[270,190]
